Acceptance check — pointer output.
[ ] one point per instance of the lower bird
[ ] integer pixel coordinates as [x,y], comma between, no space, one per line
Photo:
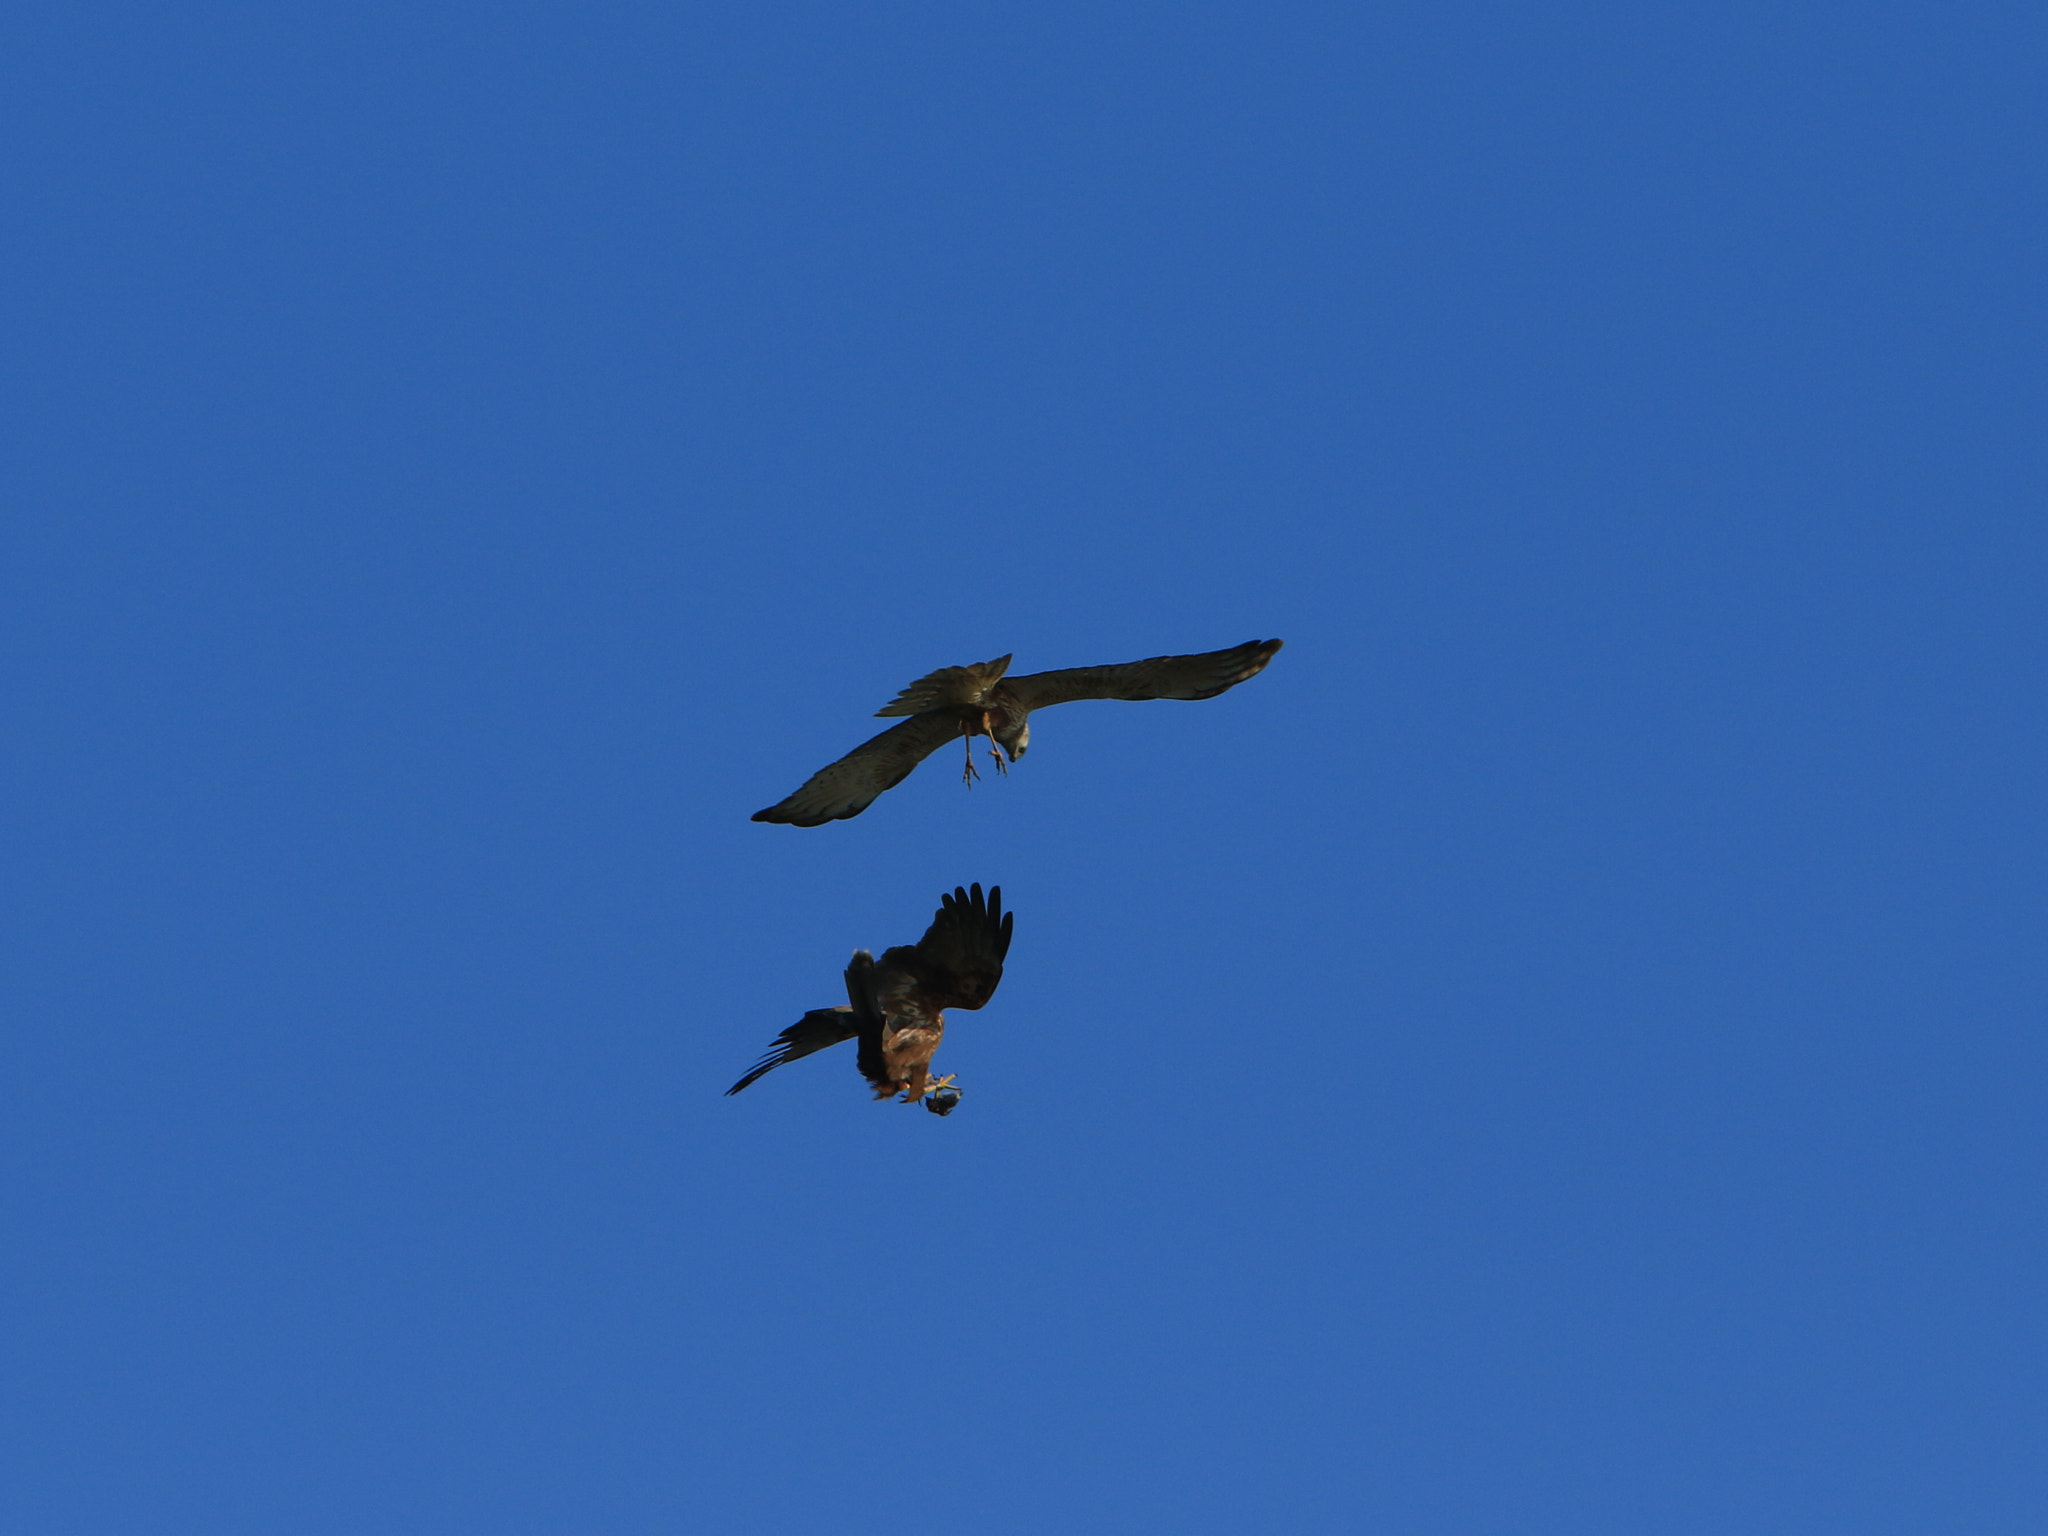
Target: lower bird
[895,1006]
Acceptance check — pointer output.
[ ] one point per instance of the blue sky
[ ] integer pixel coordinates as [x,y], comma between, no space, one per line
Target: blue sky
[1559,1052]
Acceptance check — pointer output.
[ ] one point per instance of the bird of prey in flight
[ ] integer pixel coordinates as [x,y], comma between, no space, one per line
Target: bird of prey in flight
[896,1006]
[978,700]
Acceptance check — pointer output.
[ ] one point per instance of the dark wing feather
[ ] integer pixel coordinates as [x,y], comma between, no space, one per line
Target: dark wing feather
[960,956]
[849,786]
[813,1032]
[860,988]
[863,982]
[948,686]
[1161,677]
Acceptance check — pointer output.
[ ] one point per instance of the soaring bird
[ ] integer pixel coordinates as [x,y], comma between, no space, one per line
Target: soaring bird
[896,1006]
[979,700]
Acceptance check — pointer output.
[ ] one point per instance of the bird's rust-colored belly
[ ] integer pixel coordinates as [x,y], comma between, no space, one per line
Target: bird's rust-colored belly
[907,1054]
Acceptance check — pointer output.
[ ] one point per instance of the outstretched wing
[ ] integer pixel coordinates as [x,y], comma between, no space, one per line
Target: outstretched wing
[813,1032]
[1162,677]
[961,954]
[948,685]
[850,785]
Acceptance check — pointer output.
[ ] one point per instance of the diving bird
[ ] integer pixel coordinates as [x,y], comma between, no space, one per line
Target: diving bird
[896,1006]
[979,700]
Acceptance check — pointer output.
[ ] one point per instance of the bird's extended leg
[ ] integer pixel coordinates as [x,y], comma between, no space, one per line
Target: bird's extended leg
[994,750]
[970,775]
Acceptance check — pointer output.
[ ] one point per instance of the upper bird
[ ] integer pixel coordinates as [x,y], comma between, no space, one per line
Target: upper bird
[980,701]
[896,1007]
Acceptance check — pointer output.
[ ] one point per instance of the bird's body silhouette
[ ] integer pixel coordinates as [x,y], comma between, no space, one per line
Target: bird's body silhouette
[896,1006]
[979,700]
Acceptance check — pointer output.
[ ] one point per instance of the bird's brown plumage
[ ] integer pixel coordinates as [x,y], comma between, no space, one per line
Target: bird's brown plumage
[981,700]
[896,1006]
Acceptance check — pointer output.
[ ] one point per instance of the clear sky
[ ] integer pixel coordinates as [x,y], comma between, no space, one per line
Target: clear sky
[1561,1051]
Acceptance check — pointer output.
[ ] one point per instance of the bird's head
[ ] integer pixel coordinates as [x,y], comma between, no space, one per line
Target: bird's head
[1014,740]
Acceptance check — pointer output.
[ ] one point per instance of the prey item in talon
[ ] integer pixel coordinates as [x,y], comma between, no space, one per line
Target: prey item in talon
[943,1102]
